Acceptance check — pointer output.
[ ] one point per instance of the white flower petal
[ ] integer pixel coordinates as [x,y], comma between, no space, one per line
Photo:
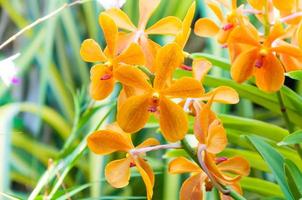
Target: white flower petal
[8,70]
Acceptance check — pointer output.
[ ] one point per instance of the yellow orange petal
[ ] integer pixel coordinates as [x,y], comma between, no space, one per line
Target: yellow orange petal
[110,31]
[147,175]
[270,77]
[236,165]
[91,51]
[209,160]
[150,50]
[200,68]
[106,141]
[133,55]
[291,63]
[284,5]
[117,172]
[166,26]
[148,142]
[168,59]
[275,32]
[243,66]
[202,122]
[245,35]
[182,165]
[215,7]
[257,4]
[223,94]
[173,120]
[121,19]
[184,87]
[287,49]
[124,41]
[205,27]
[134,114]
[191,188]
[146,8]
[101,87]
[299,35]
[216,140]
[182,38]
[132,76]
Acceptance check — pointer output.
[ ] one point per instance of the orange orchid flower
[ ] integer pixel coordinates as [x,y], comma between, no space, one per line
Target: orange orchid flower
[166,26]
[102,75]
[209,130]
[117,172]
[285,7]
[192,188]
[155,98]
[205,27]
[260,58]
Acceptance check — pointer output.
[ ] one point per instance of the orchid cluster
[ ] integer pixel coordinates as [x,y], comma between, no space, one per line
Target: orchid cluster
[146,72]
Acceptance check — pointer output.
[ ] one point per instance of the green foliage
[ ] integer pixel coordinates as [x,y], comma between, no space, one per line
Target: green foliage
[52,158]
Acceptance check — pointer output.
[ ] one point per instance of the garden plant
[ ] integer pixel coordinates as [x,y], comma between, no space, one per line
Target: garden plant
[151,99]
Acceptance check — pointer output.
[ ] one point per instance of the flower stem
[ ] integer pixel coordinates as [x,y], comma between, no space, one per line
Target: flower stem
[192,153]
[287,121]
[155,148]
[266,19]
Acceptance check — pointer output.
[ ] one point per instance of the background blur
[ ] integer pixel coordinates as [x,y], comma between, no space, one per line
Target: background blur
[44,119]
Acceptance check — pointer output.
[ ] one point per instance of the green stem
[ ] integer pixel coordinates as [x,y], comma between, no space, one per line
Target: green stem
[148,73]
[192,153]
[287,121]
[266,19]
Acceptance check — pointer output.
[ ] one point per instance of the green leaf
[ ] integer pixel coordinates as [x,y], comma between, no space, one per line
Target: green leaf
[294,177]
[219,62]
[295,75]
[294,138]
[275,162]
[253,126]
[260,186]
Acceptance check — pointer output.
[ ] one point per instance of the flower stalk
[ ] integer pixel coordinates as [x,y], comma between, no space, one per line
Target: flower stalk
[192,153]
[287,120]
[155,148]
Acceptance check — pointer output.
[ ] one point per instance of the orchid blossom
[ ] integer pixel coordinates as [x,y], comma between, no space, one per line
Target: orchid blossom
[102,74]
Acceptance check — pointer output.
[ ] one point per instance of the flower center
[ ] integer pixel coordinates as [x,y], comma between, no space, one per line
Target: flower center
[263,51]
[138,34]
[220,160]
[228,26]
[106,77]
[154,102]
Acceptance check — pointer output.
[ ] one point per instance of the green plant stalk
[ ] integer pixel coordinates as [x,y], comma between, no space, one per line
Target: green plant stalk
[191,152]
[287,121]
[266,20]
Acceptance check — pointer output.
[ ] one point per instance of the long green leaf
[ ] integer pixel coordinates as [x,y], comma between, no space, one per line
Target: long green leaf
[295,175]
[295,75]
[294,138]
[275,162]
[260,186]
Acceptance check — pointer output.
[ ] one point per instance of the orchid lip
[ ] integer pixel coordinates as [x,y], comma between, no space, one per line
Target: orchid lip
[221,159]
[186,67]
[259,62]
[152,109]
[228,27]
[106,77]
